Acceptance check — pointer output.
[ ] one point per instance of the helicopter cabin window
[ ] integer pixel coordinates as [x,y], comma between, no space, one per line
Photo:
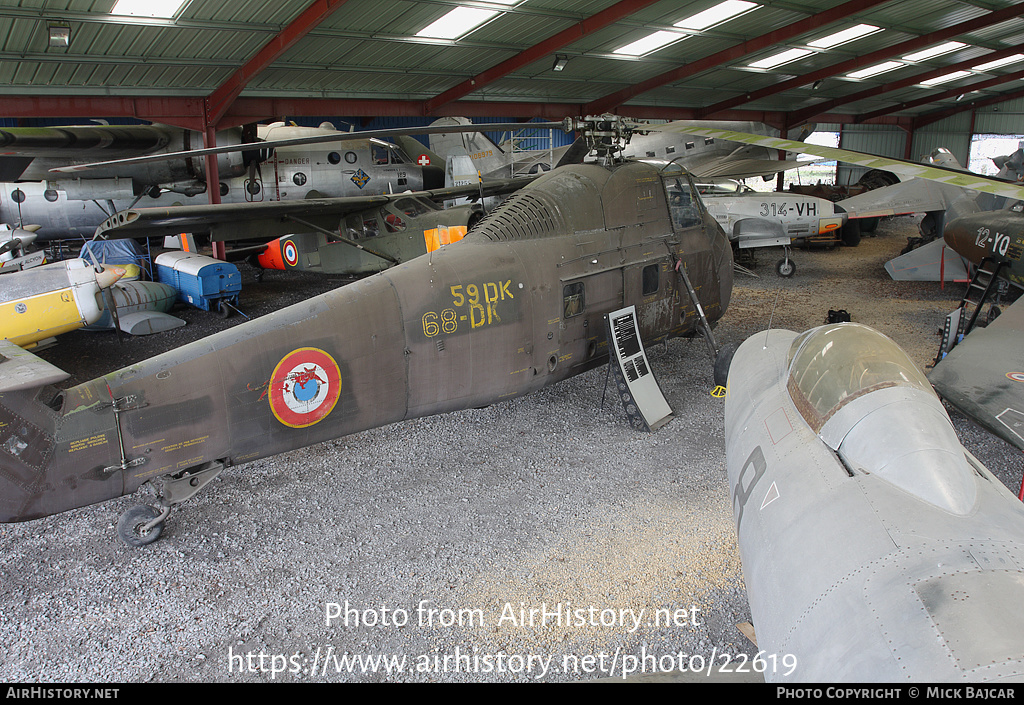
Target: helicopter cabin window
[670,150]
[334,158]
[351,157]
[651,155]
[689,145]
[370,228]
[685,211]
[709,140]
[573,300]
[650,279]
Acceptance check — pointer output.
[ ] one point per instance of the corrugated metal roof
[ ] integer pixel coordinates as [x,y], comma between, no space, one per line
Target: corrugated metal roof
[366,50]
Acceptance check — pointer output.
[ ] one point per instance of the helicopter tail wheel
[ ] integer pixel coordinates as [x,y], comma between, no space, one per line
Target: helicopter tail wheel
[140,526]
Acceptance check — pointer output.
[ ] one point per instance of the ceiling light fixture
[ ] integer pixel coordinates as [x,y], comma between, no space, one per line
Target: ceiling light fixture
[847,35]
[560,61]
[719,13]
[781,58]
[998,62]
[945,78]
[650,43]
[60,36]
[165,9]
[934,51]
[461,21]
[876,69]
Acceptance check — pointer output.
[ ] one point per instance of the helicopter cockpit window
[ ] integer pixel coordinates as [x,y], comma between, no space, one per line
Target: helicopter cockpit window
[380,153]
[370,228]
[573,300]
[832,365]
[684,209]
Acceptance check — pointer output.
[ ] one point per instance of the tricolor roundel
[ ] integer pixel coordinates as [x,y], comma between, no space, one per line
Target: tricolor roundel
[304,387]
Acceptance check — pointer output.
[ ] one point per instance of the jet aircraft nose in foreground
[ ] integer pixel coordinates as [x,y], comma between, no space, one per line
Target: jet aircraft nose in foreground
[874,546]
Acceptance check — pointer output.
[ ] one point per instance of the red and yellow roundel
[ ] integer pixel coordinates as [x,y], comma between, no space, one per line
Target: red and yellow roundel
[304,387]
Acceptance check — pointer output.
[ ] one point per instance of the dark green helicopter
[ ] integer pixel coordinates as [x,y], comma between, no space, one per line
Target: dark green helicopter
[519,304]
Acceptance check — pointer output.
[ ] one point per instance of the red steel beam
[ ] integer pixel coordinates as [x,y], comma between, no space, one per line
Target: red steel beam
[868,59]
[929,118]
[612,101]
[809,112]
[180,112]
[602,19]
[951,93]
[218,102]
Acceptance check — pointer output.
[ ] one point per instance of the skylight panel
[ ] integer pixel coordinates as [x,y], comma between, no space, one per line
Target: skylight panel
[781,58]
[653,41]
[998,62]
[719,13]
[946,78]
[148,8]
[847,35]
[875,70]
[934,51]
[460,21]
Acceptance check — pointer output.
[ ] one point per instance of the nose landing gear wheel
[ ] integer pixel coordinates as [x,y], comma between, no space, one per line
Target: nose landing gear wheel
[785,267]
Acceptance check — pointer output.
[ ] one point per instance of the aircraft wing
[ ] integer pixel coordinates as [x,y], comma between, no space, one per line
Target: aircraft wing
[912,196]
[983,376]
[19,146]
[20,369]
[270,219]
[899,166]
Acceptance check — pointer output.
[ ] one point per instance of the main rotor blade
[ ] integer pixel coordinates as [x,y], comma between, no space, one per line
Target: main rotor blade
[313,139]
[932,172]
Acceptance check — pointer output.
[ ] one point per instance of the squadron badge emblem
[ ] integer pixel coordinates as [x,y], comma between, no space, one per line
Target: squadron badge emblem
[304,388]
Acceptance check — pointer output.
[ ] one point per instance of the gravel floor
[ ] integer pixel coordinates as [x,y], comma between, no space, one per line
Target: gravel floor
[417,551]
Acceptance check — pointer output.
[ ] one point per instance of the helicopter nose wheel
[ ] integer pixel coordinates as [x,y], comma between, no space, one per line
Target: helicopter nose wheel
[141,525]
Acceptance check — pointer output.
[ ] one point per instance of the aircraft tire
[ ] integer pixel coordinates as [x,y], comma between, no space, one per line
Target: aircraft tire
[785,267]
[722,363]
[851,233]
[130,523]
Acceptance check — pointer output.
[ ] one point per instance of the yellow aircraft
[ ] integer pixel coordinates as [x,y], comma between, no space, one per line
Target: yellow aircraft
[45,301]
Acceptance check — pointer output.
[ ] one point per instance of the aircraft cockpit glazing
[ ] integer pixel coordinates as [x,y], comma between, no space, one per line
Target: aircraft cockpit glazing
[386,153]
[684,206]
[868,401]
[831,366]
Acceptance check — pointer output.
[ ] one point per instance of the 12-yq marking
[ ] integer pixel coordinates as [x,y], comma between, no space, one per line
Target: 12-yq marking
[304,388]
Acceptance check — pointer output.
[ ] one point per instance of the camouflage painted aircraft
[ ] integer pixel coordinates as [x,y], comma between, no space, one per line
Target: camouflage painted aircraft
[875,548]
[518,304]
[353,235]
[983,375]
